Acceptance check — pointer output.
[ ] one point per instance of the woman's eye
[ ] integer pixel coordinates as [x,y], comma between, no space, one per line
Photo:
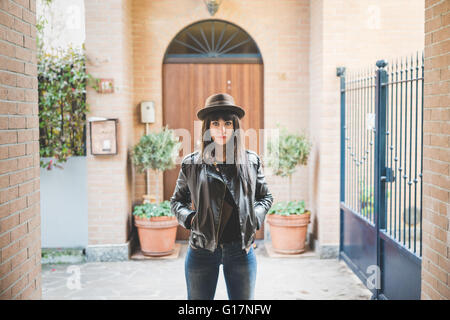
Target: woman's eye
[229,123]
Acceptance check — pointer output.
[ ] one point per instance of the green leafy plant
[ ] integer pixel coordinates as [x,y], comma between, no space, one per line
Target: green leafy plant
[286,152]
[366,199]
[156,150]
[148,210]
[286,208]
[62,82]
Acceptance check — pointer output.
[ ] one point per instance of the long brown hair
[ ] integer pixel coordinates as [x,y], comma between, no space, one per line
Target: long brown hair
[240,159]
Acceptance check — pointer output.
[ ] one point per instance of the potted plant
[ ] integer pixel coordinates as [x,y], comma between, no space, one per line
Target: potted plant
[288,220]
[288,226]
[157,228]
[156,224]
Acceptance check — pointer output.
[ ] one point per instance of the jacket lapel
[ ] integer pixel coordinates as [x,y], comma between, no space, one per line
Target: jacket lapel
[211,171]
[234,185]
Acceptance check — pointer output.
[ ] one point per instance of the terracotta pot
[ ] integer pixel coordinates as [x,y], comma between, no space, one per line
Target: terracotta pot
[157,235]
[288,233]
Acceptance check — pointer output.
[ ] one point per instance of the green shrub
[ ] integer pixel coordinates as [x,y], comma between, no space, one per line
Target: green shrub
[366,199]
[286,208]
[287,152]
[156,150]
[148,210]
[62,81]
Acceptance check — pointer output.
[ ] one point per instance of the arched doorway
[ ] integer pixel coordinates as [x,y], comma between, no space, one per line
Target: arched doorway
[204,58]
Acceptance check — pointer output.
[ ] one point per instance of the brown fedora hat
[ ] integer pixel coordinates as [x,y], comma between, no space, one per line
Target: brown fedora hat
[220,101]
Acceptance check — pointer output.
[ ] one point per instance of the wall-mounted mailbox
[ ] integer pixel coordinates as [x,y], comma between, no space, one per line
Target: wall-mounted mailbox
[103,132]
[147,112]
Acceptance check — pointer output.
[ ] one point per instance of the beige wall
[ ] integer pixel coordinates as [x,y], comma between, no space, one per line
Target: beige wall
[436,153]
[20,220]
[353,34]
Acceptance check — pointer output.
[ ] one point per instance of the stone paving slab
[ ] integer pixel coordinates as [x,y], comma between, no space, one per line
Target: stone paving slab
[307,278]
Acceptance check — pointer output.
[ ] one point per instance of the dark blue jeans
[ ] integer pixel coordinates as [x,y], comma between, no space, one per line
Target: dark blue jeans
[202,271]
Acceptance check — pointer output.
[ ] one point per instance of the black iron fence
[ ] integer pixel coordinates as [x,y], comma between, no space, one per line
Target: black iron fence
[381,171]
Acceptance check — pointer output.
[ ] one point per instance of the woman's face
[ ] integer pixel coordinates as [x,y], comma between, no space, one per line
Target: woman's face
[221,130]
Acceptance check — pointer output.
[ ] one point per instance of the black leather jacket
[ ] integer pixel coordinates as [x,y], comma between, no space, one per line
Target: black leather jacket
[199,182]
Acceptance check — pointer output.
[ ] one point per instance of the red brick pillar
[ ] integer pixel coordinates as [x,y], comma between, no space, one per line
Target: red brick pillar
[436,152]
[20,232]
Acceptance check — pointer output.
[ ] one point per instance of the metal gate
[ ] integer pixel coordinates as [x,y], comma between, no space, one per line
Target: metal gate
[381,176]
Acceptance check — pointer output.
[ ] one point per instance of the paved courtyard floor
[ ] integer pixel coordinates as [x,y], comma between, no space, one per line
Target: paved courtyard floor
[305,278]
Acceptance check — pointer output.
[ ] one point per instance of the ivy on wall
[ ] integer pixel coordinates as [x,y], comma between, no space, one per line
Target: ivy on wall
[62,83]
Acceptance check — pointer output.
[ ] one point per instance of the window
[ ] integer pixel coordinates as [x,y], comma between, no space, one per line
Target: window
[212,41]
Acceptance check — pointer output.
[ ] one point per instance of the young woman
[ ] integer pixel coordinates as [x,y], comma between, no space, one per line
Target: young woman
[231,198]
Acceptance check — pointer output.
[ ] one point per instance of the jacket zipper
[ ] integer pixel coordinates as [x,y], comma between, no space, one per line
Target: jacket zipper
[220,215]
[221,208]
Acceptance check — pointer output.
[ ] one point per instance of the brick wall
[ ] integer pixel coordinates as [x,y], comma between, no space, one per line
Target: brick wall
[20,237]
[436,152]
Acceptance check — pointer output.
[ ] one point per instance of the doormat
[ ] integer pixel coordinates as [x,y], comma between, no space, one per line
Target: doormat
[308,253]
[138,255]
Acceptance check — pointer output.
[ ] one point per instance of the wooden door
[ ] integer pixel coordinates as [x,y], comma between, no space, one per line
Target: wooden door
[185,89]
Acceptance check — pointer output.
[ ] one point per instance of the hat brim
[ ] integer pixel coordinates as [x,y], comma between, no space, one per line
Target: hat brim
[236,109]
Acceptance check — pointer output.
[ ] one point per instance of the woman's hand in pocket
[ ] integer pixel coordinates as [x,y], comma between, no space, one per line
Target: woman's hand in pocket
[192,220]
